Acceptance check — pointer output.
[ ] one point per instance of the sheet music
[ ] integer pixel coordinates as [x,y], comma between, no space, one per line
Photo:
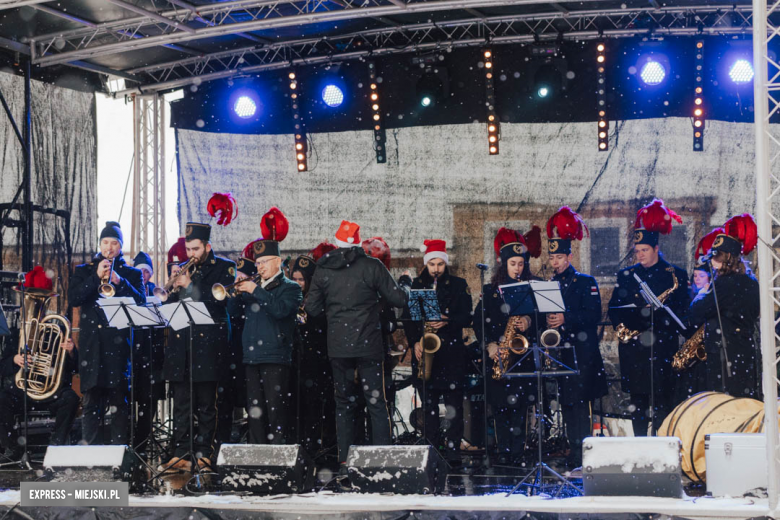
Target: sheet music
[548,296]
[143,316]
[113,311]
[177,317]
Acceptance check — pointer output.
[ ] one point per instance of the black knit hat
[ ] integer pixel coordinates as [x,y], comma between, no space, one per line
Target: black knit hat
[143,260]
[197,231]
[246,266]
[112,230]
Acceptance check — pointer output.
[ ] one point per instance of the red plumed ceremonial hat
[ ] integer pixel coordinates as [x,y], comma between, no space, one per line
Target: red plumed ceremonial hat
[506,236]
[743,228]
[224,207]
[566,224]
[37,279]
[178,252]
[274,225]
[533,241]
[705,244]
[656,218]
[376,247]
[322,249]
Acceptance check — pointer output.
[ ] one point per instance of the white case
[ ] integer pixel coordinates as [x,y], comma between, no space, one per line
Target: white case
[736,463]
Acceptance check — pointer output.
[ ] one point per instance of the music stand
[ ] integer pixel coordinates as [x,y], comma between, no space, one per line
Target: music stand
[4,330]
[548,300]
[186,314]
[424,307]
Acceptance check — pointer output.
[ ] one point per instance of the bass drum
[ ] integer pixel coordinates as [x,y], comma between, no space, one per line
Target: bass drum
[705,413]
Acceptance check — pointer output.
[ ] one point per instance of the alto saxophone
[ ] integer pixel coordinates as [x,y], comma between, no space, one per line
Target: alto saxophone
[624,334]
[691,352]
[513,343]
[431,343]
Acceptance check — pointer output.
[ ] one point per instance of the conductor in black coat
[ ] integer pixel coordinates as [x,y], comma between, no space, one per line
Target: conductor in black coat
[210,350]
[104,351]
[728,310]
[657,331]
[448,365]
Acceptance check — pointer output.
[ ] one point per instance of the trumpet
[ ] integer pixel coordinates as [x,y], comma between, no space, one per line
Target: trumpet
[107,289]
[220,292]
[164,292]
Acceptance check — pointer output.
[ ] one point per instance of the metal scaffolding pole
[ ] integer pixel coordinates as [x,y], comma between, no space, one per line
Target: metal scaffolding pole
[766,84]
[148,232]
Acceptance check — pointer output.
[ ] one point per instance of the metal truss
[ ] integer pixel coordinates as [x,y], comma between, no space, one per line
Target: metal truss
[581,25]
[766,84]
[148,231]
[176,25]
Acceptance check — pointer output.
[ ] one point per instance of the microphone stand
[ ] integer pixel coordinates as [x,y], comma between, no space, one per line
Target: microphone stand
[482,268]
[25,462]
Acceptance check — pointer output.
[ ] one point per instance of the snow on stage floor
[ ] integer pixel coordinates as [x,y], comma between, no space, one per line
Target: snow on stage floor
[375,506]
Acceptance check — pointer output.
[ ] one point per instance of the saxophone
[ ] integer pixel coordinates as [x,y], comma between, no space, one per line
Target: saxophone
[513,343]
[431,343]
[624,334]
[691,352]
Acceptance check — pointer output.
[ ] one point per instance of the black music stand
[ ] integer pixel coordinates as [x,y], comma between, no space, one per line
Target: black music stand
[548,300]
[186,314]
[423,307]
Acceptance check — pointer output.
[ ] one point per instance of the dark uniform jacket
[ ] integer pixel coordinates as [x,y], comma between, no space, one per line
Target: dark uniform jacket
[449,364]
[269,329]
[347,287]
[580,330]
[103,351]
[210,348]
[9,369]
[738,300]
[635,356]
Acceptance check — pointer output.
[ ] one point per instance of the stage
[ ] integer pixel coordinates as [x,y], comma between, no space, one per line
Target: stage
[374,506]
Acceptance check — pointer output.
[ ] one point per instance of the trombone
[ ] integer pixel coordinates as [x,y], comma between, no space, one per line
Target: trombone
[220,292]
[107,289]
[164,292]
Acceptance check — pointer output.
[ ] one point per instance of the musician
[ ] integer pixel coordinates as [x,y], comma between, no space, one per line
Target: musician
[448,364]
[208,351]
[232,388]
[104,351]
[143,262]
[729,310]
[508,397]
[315,404]
[268,335]
[148,384]
[578,328]
[177,255]
[347,286]
[663,340]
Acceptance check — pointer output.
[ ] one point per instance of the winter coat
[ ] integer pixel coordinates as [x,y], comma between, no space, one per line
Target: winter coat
[635,356]
[580,330]
[104,351]
[269,329]
[738,301]
[210,345]
[449,363]
[347,287]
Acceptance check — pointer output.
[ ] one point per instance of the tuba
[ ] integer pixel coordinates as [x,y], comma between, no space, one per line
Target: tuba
[691,352]
[431,343]
[513,343]
[624,334]
[45,337]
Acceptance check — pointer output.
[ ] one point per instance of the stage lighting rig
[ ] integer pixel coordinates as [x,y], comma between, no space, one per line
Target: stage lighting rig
[741,71]
[493,126]
[433,87]
[652,73]
[601,97]
[332,95]
[698,99]
[376,115]
[301,148]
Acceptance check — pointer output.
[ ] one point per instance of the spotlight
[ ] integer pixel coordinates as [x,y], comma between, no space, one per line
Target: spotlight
[245,107]
[542,92]
[332,96]
[426,101]
[652,73]
[433,86]
[741,71]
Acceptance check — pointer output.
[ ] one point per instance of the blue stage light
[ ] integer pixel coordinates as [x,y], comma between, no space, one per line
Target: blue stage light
[332,96]
[542,92]
[245,107]
[652,73]
[741,71]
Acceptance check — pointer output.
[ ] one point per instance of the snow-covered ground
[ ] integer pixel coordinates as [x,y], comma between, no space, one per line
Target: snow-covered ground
[700,508]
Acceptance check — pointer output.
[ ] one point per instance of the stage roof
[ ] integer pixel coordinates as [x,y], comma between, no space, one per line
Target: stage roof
[158,45]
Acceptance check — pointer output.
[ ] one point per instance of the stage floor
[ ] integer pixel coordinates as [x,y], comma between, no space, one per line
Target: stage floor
[380,506]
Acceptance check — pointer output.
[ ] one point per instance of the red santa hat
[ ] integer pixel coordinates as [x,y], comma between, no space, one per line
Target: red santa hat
[435,249]
[348,234]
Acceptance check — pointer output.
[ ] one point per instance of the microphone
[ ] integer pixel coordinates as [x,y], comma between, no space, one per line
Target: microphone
[482,267]
[20,277]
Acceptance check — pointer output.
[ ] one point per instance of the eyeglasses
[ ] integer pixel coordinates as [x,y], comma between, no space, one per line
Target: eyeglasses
[263,262]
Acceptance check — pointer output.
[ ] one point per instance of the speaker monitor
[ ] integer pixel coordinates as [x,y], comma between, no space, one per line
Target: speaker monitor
[396,469]
[632,466]
[265,469]
[88,463]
